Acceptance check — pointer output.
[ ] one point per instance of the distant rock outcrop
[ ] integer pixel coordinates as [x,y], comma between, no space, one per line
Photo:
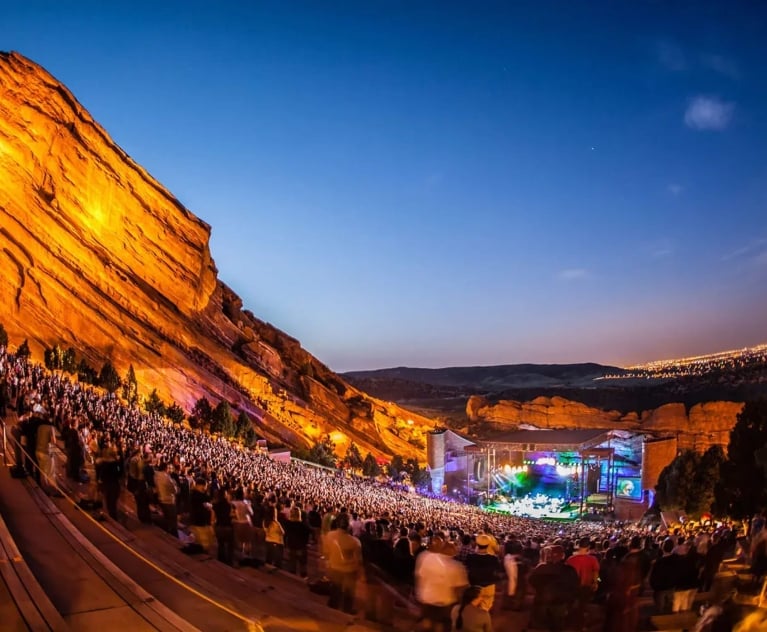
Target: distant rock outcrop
[98,255]
[704,425]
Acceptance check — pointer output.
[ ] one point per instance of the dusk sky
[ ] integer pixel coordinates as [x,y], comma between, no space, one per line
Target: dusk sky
[449,183]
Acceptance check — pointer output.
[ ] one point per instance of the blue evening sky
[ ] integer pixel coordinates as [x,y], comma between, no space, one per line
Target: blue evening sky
[449,183]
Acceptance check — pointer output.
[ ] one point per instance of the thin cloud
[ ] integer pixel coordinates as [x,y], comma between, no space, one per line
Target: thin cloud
[708,113]
[661,249]
[721,64]
[572,274]
[756,249]
[675,189]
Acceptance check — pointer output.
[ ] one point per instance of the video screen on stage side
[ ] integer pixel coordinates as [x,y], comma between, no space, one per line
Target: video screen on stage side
[630,488]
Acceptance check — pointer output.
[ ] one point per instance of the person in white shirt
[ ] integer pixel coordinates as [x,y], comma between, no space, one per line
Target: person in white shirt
[356,525]
[438,581]
[242,523]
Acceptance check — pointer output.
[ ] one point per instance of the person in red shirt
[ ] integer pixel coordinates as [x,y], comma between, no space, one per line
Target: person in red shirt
[587,567]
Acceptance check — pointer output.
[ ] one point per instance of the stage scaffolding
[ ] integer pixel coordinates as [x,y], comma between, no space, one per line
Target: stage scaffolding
[587,448]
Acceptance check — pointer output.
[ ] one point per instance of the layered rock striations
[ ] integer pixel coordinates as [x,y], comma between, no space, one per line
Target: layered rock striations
[98,255]
[703,425]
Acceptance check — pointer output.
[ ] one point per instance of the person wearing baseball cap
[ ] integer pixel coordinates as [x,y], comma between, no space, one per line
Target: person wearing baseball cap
[484,569]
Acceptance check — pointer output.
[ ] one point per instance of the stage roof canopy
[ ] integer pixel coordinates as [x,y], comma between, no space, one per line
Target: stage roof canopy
[544,440]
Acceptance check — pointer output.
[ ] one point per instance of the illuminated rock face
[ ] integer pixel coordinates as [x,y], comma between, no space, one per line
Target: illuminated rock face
[98,255]
[706,424]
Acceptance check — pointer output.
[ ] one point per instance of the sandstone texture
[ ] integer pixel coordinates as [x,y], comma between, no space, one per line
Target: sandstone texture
[704,425]
[98,255]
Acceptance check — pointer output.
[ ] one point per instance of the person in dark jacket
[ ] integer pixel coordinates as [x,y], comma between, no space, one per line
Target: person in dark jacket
[686,581]
[556,588]
[712,562]
[403,566]
[109,476]
[224,529]
[200,515]
[663,578]
[297,534]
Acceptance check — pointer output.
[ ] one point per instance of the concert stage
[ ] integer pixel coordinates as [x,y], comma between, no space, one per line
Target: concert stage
[537,506]
[548,474]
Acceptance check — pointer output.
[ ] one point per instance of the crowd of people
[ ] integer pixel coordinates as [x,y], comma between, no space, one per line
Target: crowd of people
[460,562]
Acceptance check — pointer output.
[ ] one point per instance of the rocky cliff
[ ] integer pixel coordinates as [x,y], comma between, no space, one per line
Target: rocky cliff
[98,255]
[703,425]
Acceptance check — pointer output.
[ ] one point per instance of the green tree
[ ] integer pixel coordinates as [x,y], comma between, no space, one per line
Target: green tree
[3,336]
[175,413]
[48,358]
[222,420]
[70,361]
[370,466]
[154,403]
[676,484]
[86,373]
[202,413]
[109,378]
[242,425]
[353,458]
[396,467]
[323,452]
[23,350]
[130,387]
[420,476]
[741,491]
[706,478]
[245,431]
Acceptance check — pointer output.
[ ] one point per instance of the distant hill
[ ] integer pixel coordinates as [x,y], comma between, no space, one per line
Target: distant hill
[495,378]
[728,376]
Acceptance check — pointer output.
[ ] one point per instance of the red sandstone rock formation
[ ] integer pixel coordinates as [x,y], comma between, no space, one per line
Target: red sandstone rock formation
[706,424]
[98,255]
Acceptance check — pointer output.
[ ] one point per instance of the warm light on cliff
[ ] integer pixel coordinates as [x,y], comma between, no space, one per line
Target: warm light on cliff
[338,437]
[95,216]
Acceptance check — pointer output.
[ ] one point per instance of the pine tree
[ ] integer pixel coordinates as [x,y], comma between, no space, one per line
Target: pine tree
[706,478]
[53,358]
[23,350]
[175,413]
[370,466]
[676,484]
[86,373]
[323,452]
[353,458]
[242,425]
[741,490]
[154,404]
[109,378]
[202,412]
[70,361]
[222,420]
[130,387]
[48,358]
[396,466]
